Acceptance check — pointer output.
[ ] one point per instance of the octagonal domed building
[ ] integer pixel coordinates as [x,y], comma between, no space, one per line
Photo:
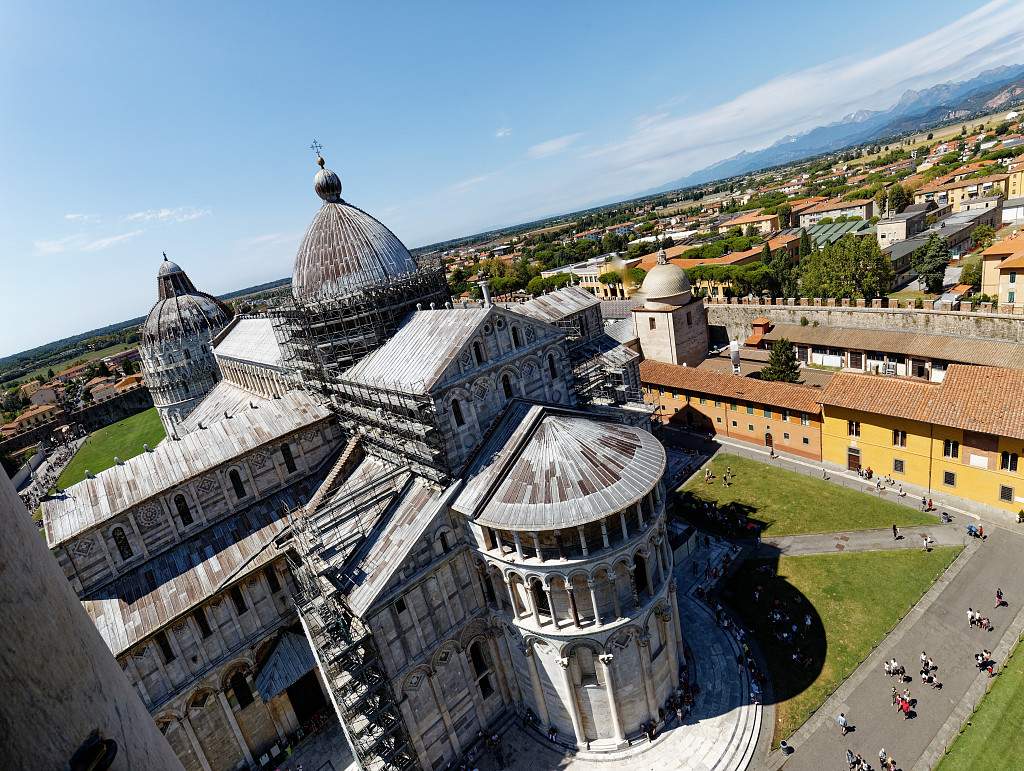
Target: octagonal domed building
[178,366]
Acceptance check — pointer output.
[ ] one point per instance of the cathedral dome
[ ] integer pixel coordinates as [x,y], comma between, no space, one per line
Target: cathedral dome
[344,248]
[666,283]
[181,310]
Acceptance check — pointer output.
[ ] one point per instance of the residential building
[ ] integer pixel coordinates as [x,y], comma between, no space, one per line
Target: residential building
[47,393]
[27,389]
[785,416]
[1013,211]
[864,209]
[1015,179]
[762,224]
[1002,266]
[33,416]
[101,388]
[904,225]
[958,192]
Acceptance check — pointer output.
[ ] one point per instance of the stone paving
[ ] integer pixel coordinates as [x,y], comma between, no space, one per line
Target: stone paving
[864,540]
[720,733]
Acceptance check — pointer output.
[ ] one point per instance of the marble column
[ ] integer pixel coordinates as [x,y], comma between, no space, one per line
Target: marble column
[512,596]
[583,540]
[519,544]
[538,689]
[615,596]
[197,748]
[573,610]
[609,688]
[536,545]
[593,600]
[239,737]
[532,599]
[570,699]
[604,534]
[643,645]
[551,606]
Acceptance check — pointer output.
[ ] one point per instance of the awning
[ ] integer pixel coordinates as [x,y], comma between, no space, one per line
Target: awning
[290,659]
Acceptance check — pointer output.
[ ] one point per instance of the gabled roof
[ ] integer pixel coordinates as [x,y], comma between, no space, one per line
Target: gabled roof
[252,340]
[427,345]
[92,501]
[557,305]
[544,468]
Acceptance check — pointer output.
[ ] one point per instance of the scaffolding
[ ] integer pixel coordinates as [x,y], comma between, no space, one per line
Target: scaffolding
[351,666]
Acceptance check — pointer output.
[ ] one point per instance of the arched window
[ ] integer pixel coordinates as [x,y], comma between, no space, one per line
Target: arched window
[540,597]
[241,693]
[184,514]
[640,576]
[445,545]
[552,369]
[516,339]
[457,413]
[289,459]
[481,669]
[236,483]
[121,542]
[506,386]
[478,352]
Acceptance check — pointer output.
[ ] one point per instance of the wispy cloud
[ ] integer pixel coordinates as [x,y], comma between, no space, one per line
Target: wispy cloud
[77,217]
[465,184]
[100,244]
[80,242]
[662,146]
[502,133]
[552,146]
[179,214]
[269,239]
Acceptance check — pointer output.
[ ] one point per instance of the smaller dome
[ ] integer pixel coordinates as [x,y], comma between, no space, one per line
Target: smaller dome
[181,310]
[327,184]
[167,267]
[666,283]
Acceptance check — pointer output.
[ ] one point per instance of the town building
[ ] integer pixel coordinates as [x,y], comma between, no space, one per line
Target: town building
[904,225]
[671,324]
[961,437]
[1002,272]
[47,393]
[761,224]
[862,209]
[960,191]
[33,416]
[176,350]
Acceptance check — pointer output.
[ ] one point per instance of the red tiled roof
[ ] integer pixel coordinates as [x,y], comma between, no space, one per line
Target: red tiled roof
[791,396]
[836,205]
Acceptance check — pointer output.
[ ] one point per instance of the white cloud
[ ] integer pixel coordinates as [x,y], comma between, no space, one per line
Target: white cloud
[80,242]
[661,147]
[502,133]
[269,239]
[552,146]
[179,214]
[75,217]
[100,244]
[465,184]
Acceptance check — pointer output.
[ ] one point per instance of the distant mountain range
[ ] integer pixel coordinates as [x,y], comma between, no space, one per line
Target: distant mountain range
[915,111]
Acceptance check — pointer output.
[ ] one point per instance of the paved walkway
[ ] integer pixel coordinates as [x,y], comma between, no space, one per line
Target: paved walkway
[938,625]
[864,540]
[720,733]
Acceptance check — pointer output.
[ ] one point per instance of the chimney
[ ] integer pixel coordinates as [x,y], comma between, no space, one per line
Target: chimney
[485,288]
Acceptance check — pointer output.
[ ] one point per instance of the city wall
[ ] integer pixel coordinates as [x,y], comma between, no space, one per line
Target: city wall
[91,418]
[731,320]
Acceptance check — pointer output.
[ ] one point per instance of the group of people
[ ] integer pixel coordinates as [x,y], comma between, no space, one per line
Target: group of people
[984,662]
[974,618]
[857,763]
[727,477]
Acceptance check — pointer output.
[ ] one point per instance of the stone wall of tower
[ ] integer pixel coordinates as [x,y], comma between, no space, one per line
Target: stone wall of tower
[677,335]
[589,621]
[178,373]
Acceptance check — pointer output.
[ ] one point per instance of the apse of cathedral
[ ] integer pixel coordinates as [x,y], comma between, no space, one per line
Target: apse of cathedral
[415,517]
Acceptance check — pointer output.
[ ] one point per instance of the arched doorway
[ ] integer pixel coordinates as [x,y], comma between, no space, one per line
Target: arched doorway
[768,439]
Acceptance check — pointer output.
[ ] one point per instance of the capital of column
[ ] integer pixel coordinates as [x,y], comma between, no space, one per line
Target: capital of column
[563,663]
[606,658]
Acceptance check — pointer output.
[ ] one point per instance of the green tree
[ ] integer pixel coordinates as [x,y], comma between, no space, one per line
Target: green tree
[782,365]
[873,273]
[766,253]
[611,277]
[784,211]
[805,243]
[636,276]
[930,262]
[898,199]
[971,274]
[536,286]
[750,231]
[983,236]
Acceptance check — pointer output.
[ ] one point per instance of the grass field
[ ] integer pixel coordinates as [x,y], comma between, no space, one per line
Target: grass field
[855,599]
[123,439]
[991,739]
[790,503]
[88,356]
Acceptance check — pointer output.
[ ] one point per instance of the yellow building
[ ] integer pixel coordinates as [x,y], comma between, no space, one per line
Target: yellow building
[1015,183]
[1002,272]
[962,437]
[964,190]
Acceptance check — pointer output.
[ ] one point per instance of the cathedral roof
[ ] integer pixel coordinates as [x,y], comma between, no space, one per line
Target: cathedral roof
[557,305]
[250,340]
[545,468]
[345,249]
[92,501]
[181,310]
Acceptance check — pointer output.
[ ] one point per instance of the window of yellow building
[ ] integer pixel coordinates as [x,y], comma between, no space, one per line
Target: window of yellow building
[1008,461]
[804,419]
[767,413]
[1005,494]
[897,465]
[950,448]
[949,478]
[853,427]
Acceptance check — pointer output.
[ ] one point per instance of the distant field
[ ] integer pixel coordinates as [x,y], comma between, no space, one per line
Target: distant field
[123,439]
[88,356]
[938,135]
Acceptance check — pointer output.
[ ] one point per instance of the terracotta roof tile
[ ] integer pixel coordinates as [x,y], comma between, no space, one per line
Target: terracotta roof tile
[790,396]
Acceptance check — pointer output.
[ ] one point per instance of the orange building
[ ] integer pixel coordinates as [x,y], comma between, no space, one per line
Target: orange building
[785,416]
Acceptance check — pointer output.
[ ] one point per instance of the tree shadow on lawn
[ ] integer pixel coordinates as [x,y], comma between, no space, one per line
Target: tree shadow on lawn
[783,622]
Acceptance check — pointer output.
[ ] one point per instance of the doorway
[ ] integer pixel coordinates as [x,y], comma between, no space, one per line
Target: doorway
[307,697]
[768,439]
[853,459]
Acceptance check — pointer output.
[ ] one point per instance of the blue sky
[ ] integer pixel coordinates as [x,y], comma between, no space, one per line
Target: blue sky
[126,130]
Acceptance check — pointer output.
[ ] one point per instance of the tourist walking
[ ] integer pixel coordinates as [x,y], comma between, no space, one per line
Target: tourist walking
[971,619]
[851,761]
[843,723]
[882,757]
[999,598]
[895,533]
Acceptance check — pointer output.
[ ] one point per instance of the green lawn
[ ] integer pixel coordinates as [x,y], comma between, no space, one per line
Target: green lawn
[790,503]
[123,439]
[854,599]
[991,739]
